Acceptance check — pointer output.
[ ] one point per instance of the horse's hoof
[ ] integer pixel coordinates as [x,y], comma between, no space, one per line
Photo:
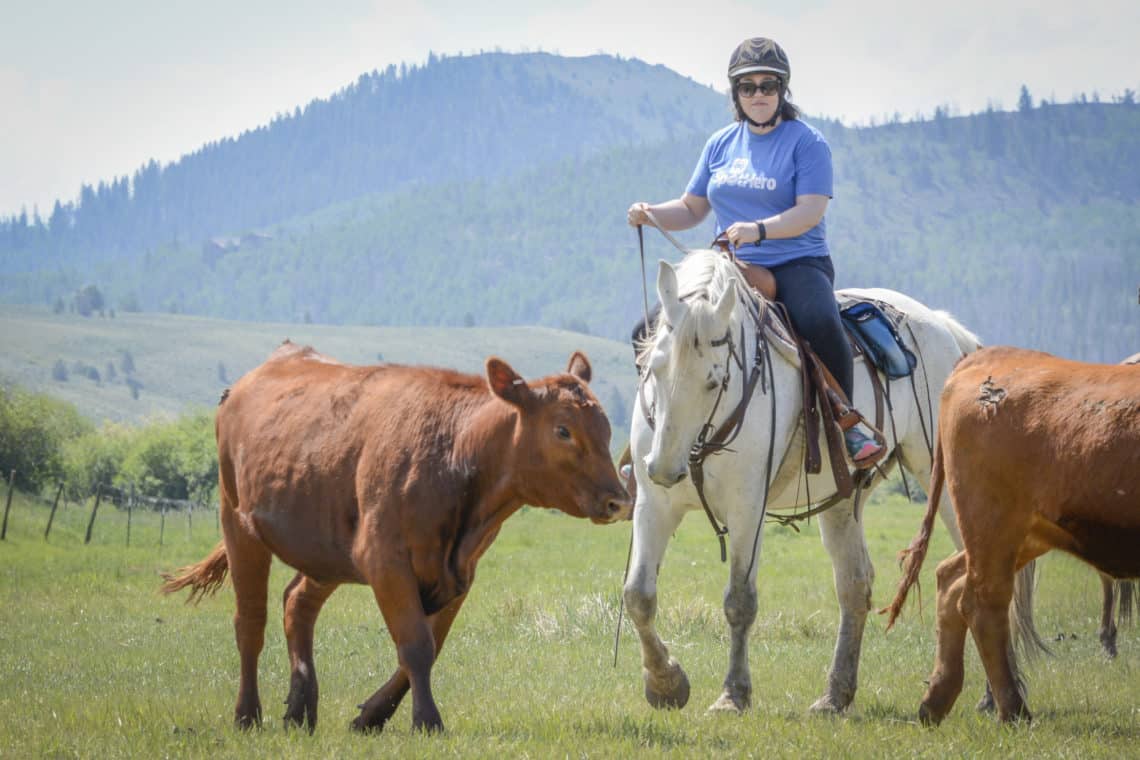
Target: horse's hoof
[825,705]
[986,703]
[729,704]
[669,692]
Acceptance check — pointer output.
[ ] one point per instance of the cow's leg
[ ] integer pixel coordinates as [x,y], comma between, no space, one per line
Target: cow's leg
[1107,616]
[379,708]
[740,611]
[398,596]
[853,572]
[946,680]
[666,684]
[985,605]
[249,562]
[304,598]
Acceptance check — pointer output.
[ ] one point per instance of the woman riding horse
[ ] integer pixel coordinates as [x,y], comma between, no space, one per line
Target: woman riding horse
[768,179]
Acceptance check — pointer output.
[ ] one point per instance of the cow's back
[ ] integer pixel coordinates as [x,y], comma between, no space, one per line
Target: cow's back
[1026,430]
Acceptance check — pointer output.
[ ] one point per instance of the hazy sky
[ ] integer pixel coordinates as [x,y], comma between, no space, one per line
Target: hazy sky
[91,90]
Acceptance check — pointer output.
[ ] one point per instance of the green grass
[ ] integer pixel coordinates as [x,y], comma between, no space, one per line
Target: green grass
[94,663]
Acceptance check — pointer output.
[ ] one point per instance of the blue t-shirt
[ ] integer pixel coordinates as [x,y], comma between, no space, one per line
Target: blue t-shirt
[747,176]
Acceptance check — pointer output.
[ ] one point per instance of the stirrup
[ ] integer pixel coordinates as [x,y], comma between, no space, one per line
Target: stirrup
[863,450]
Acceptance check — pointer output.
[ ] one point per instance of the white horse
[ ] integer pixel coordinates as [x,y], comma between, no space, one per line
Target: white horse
[705,339]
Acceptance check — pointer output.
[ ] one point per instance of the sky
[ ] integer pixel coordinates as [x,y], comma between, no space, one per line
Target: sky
[90,91]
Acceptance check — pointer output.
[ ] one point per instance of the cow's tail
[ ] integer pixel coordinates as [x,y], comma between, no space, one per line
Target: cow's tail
[910,558]
[204,578]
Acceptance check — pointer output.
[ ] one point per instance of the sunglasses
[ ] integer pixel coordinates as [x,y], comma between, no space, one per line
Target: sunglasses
[767,87]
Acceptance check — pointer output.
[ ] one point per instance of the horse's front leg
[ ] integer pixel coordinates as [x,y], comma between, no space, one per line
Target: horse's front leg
[851,564]
[740,611]
[666,684]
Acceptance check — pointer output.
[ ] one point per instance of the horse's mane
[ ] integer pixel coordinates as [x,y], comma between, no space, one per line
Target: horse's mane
[703,276]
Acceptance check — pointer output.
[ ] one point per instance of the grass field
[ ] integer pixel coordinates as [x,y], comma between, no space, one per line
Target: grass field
[177,357]
[95,664]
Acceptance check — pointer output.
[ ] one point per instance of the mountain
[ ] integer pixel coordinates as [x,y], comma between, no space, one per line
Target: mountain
[409,199]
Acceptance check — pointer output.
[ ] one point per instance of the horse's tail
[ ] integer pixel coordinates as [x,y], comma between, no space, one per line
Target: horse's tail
[967,341]
[910,559]
[204,577]
[1026,639]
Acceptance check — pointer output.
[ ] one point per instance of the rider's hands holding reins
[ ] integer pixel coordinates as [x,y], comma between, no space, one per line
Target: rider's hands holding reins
[740,233]
[636,215]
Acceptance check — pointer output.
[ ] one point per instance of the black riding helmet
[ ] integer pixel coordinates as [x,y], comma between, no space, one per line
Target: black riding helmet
[759,54]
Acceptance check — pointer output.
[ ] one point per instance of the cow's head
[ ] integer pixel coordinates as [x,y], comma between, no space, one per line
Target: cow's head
[561,454]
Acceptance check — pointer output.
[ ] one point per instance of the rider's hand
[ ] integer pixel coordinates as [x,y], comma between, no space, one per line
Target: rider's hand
[740,233]
[636,215]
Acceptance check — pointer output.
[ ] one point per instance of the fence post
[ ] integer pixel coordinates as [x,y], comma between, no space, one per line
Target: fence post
[190,520]
[130,507]
[162,524]
[11,486]
[91,522]
[51,517]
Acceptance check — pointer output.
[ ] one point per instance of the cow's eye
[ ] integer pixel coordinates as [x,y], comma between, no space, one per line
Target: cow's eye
[562,432]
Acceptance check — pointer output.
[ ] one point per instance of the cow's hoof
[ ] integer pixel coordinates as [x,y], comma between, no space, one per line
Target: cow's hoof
[929,717]
[670,691]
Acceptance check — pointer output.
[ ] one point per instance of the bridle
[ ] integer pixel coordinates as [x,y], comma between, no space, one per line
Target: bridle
[713,439]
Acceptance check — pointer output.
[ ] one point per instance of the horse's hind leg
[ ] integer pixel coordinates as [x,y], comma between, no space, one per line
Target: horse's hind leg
[740,611]
[249,569]
[949,669]
[851,564]
[304,598]
[666,684]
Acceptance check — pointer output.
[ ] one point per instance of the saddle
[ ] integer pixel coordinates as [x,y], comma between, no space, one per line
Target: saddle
[865,333]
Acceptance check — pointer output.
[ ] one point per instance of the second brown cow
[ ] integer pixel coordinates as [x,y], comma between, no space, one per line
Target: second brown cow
[393,476]
[1037,453]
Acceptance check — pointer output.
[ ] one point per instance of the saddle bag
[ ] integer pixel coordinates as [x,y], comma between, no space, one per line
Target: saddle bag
[879,339]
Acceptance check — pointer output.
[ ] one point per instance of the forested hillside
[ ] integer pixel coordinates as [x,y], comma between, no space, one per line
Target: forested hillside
[398,202]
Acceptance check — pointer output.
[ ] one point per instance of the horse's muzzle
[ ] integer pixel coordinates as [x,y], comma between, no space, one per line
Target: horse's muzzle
[664,477]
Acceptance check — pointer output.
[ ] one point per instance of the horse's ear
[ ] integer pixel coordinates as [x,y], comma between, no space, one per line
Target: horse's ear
[579,367]
[506,383]
[667,292]
[725,306]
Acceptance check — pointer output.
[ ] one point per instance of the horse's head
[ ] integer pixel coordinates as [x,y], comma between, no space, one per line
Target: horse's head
[689,360]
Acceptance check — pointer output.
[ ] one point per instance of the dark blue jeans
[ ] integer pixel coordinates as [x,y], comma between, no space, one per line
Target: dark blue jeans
[807,288]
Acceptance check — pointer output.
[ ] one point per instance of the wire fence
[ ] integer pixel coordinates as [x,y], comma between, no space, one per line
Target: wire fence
[111,513]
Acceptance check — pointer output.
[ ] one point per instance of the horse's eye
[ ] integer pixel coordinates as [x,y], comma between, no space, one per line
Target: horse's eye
[562,432]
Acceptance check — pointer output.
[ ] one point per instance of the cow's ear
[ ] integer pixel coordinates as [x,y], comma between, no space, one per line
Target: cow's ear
[579,367]
[506,383]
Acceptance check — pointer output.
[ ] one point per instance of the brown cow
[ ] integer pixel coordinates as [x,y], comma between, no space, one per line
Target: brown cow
[1038,453]
[398,477]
